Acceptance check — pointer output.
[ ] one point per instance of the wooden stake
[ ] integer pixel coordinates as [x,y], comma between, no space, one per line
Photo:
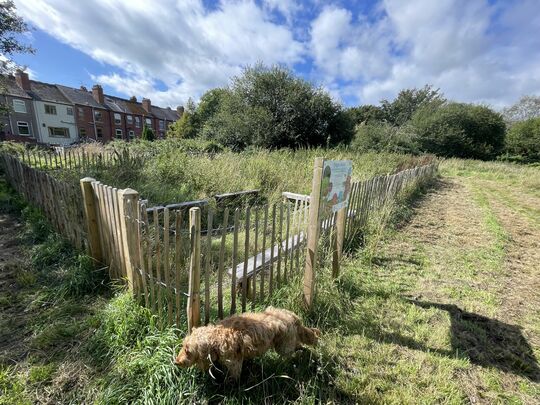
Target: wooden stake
[90,212]
[193,306]
[339,237]
[129,198]
[313,233]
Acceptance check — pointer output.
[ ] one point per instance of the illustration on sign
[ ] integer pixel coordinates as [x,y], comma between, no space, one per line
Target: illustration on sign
[336,185]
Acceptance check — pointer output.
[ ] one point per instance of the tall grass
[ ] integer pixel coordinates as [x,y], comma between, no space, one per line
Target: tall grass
[169,173]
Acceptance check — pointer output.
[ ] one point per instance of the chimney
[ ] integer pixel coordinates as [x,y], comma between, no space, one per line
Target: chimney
[147,105]
[22,80]
[133,99]
[83,88]
[97,93]
[180,110]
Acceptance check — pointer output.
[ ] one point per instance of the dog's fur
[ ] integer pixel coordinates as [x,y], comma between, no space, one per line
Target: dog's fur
[243,337]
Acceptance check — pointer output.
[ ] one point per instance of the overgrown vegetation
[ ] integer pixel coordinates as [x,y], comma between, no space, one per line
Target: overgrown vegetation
[523,141]
[266,107]
[423,121]
[186,170]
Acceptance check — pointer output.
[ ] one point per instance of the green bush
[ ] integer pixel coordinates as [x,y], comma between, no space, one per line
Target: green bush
[271,108]
[523,141]
[460,130]
[400,110]
[381,136]
[366,114]
[148,133]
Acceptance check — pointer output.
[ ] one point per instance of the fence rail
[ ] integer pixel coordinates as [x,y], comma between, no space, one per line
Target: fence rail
[196,261]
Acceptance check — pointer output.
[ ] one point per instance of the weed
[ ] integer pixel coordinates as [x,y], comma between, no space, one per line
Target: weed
[12,388]
[40,374]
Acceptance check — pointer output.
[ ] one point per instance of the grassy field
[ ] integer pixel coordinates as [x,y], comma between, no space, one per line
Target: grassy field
[440,306]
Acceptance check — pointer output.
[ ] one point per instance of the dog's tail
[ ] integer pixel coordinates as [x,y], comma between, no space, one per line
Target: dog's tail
[308,336]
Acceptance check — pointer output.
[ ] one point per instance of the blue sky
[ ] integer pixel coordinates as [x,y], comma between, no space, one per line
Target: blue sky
[360,51]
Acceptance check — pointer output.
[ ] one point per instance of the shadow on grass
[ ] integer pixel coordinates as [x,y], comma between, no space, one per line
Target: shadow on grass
[488,342]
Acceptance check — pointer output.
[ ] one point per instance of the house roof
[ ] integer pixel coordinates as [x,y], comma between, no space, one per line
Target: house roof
[79,96]
[57,93]
[165,113]
[136,108]
[132,107]
[11,88]
[47,92]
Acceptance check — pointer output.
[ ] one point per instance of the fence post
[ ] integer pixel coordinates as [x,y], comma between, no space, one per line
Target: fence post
[193,304]
[90,213]
[128,199]
[313,233]
[340,235]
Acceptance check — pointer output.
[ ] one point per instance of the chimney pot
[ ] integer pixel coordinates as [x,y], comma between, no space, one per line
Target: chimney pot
[97,93]
[133,99]
[22,79]
[83,88]
[147,105]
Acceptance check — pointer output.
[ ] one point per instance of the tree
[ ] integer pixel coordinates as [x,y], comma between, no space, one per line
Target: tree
[378,136]
[209,104]
[148,133]
[11,25]
[523,140]
[269,107]
[366,113]
[408,101]
[527,107]
[188,126]
[460,130]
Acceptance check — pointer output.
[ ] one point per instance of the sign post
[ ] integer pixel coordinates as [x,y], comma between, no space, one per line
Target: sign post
[330,192]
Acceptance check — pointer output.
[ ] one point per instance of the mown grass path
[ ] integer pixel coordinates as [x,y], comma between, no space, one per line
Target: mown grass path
[457,305]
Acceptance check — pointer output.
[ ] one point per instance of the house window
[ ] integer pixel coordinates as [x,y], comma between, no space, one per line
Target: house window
[137,122]
[99,133]
[69,110]
[161,125]
[131,134]
[50,109]
[23,127]
[118,133]
[148,121]
[58,132]
[82,133]
[117,119]
[19,106]
[129,119]
[81,113]
[98,116]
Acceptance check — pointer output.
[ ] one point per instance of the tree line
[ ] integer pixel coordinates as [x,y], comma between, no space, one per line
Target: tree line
[270,107]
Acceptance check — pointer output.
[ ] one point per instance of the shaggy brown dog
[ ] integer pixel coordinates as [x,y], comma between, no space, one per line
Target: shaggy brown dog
[243,337]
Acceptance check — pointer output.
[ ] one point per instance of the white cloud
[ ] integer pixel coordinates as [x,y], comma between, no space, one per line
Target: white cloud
[287,8]
[179,43]
[474,51]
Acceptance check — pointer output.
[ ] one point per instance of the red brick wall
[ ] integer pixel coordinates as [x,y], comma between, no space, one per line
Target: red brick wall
[87,122]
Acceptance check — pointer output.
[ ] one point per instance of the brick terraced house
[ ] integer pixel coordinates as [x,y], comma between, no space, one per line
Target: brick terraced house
[54,114]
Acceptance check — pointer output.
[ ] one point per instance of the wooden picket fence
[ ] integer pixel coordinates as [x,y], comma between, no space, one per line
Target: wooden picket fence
[61,202]
[79,158]
[203,260]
